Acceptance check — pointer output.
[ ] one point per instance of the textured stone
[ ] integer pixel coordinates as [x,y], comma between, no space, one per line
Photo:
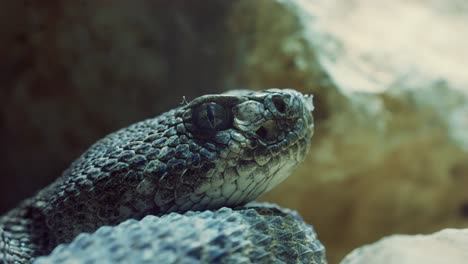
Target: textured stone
[446,246]
[390,150]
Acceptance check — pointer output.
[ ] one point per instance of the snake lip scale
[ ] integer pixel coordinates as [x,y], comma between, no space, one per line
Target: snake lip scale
[217,150]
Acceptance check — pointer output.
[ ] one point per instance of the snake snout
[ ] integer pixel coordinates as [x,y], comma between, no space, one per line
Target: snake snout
[287,112]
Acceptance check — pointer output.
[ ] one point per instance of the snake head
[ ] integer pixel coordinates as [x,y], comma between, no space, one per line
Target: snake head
[254,141]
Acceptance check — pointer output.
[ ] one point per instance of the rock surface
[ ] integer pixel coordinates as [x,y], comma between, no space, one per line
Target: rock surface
[390,150]
[446,246]
[259,234]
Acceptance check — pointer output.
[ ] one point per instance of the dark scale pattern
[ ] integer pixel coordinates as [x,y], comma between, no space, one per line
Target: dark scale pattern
[217,150]
[259,234]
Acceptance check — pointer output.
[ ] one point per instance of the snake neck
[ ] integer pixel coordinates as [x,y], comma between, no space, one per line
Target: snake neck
[23,234]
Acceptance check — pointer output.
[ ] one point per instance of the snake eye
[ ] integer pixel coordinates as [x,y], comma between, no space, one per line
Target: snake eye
[211,116]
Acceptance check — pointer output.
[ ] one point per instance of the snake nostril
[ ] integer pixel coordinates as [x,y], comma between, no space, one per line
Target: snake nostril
[279,103]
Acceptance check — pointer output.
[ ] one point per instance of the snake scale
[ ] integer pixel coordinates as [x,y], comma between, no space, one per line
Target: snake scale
[221,150]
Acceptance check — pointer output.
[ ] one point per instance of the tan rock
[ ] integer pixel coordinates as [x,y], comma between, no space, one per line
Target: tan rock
[446,246]
[390,154]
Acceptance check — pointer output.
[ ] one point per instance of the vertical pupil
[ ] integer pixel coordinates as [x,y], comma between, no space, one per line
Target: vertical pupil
[210,112]
[211,116]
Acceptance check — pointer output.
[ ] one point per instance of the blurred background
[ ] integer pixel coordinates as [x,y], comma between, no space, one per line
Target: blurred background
[390,153]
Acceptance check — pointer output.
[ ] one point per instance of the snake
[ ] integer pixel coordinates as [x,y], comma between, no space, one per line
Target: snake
[216,151]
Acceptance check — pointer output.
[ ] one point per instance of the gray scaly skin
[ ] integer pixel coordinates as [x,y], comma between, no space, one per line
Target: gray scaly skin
[217,150]
[258,233]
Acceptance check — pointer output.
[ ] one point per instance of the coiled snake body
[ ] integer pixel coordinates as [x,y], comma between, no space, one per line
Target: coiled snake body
[217,150]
